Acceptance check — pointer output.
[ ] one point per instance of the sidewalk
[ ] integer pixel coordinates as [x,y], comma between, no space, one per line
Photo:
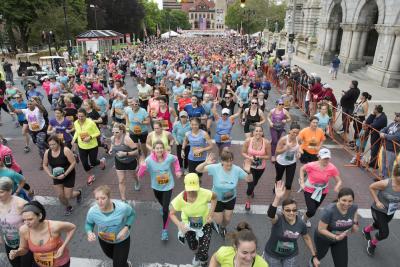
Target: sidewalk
[389,98]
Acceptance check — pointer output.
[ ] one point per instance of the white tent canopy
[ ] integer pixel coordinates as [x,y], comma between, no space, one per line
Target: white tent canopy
[169,34]
[256,34]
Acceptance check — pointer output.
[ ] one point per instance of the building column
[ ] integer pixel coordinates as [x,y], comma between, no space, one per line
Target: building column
[346,41]
[334,39]
[322,54]
[363,44]
[355,42]
[394,64]
[328,39]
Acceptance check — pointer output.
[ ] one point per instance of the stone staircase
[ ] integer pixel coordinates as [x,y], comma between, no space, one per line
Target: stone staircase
[360,74]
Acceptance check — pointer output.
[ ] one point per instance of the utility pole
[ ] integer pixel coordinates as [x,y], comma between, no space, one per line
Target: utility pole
[67,35]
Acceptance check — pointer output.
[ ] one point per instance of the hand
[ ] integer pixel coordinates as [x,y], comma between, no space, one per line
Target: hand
[316,262]
[382,135]
[284,121]
[183,228]
[336,189]
[91,237]
[179,175]
[280,189]
[209,219]
[380,205]
[271,125]
[87,139]
[110,152]
[61,176]
[183,154]
[341,236]
[210,158]
[123,233]
[13,254]
[59,252]
[302,185]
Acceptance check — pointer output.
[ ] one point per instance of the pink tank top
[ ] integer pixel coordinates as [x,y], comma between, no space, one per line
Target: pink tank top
[165,119]
[252,152]
[44,255]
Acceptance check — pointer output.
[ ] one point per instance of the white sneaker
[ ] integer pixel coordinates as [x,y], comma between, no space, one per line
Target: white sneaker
[353,160]
[137,186]
[307,222]
[195,262]
[129,263]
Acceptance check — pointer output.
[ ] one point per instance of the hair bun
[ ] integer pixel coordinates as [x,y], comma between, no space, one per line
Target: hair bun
[243,226]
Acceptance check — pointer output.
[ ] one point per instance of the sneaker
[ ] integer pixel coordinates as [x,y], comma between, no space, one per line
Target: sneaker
[215,226]
[204,264]
[353,160]
[68,211]
[129,263]
[4,141]
[370,248]
[307,222]
[195,262]
[247,206]
[31,193]
[91,179]
[79,197]
[27,149]
[17,124]
[223,232]
[136,187]
[367,235]
[164,235]
[102,163]
[340,131]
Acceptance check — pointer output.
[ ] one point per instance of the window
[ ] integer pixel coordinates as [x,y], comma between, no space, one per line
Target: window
[212,15]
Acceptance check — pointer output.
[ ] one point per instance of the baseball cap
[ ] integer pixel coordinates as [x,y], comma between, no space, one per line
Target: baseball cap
[183,114]
[326,86]
[226,111]
[192,182]
[324,153]
[196,76]
[279,101]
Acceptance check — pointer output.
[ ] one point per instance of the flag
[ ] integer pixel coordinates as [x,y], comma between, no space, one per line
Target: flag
[158,31]
[144,30]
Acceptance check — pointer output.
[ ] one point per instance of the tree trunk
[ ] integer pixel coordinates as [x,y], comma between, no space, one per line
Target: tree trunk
[24,30]
[11,37]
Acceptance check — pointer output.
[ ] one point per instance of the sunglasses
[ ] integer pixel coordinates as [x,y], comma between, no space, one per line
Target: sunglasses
[254,103]
[289,210]
[115,132]
[280,104]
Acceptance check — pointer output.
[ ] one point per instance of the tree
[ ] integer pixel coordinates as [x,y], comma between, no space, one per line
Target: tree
[253,15]
[172,19]
[153,16]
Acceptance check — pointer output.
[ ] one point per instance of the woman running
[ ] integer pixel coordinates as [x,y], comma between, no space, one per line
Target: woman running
[316,186]
[181,127]
[338,221]
[165,114]
[277,119]
[199,142]
[256,151]
[62,162]
[159,134]
[242,253]
[126,153]
[252,116]
[196,217]
[159,166]
[386,197]
[61,127]
[86,132]
[287,153]
[311,140]
[11,220]
[114,220]
[225,177]
[43,237]
[282,249]
[118,107]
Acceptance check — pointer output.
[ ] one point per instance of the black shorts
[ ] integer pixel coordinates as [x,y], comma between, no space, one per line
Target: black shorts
[119,120]
[68,182]
[221,206]
[307,157]
[139,137]
[104,120]
[21,123]
[119,166]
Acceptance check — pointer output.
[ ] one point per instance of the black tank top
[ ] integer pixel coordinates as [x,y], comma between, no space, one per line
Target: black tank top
[60,161]
[252,119]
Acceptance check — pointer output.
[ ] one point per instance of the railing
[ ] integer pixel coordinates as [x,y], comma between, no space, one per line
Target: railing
[368,148]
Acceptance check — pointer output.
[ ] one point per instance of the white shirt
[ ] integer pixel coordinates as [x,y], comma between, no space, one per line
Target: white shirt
[144,92]
[35,119]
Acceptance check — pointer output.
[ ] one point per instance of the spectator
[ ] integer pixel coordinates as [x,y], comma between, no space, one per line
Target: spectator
[327,95]
[377,121]
[7,69]
[335,67]
[347,102]
[391,136]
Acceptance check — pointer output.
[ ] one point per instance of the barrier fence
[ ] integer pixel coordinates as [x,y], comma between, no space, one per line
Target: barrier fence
[369,149]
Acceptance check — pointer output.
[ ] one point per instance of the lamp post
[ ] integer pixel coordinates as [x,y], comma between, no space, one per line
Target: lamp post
[95,13]
[69,43]
[276,26]
[49,37]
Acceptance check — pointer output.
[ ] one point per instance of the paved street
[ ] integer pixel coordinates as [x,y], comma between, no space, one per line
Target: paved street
[146,247]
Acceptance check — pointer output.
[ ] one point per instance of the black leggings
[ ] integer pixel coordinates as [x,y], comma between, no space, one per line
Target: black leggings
[87,155]
[22,261]
[381,223]
[257,173]
[338,250]
[164,198]
[117,252]
[311,204]
[192,166]
[290,171]
[182,162]
[202,245]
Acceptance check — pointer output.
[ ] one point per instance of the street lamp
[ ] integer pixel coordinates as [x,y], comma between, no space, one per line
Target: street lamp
[69,43]
[242,3]
[49,37]
[95,13]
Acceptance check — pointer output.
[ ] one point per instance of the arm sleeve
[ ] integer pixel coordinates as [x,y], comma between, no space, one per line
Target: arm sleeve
[89,224]
[94,131]
[326,216]
[176,165]
[242,173]
[131,215]
[142,169]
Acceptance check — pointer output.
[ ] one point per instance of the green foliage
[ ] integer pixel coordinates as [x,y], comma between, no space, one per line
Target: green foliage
[254,14]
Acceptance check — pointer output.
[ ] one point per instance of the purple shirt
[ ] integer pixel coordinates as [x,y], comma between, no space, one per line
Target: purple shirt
[62,127]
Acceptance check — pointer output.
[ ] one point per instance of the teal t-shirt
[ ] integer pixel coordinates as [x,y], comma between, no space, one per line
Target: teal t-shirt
[14,176]
[161,175]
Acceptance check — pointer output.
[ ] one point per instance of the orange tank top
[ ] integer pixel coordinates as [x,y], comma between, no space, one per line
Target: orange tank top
[44,254]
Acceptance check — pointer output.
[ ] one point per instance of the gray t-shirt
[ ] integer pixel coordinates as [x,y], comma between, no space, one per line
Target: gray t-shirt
[282,243]
[337,222]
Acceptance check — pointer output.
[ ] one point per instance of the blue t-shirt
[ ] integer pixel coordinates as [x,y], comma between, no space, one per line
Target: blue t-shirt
[179,131]
[161,175]
[141,115]
[13,175]
[101,102]
[22,105]
[225,183]
[177,91]
[323,121]
[243,93]
[194,112]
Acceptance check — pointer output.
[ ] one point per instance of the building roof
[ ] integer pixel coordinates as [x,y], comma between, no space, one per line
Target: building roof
[98,34]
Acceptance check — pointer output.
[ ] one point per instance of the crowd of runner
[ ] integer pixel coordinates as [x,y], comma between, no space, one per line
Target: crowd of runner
[189,96]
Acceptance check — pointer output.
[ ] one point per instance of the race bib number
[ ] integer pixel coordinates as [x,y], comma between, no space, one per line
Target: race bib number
[12,239]
[118,111]
[197,154]
[284,247]
[137,129]
[165,124]
[225,138]
[44,259]
[153,113]
[162,179]
[393,206]
[110,237]
[289,156]
[35,126]
[228,195]
[196,222]
[83,135]
[313,143]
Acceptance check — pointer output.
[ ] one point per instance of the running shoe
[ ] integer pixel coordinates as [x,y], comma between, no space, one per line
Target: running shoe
[68,211]
[307,222]
[223,232]
[27,149]
[367,235]
[164,235]
[79,197]
[31,193]
[353,160]
[247,206]
[370,248]
[203,263]
[215,226]
[195,262]
[91,179]
[102,163]
[129,263]
[136,187]
[4,141]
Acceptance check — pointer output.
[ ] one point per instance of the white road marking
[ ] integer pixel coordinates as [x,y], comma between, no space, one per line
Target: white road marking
[239,208]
